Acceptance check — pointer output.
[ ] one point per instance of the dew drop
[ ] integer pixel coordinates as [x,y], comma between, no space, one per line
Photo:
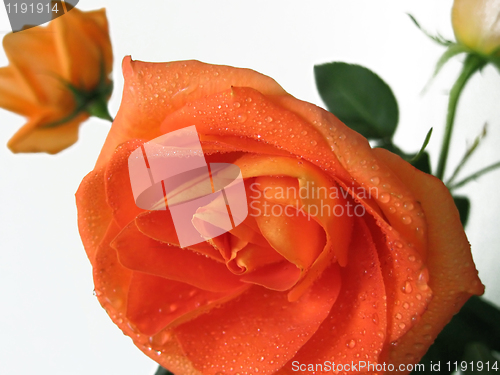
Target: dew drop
[237,104]
[242,118]
[406,220]
[411,258]
[303,132]
[418,296]
[249,100]
[314,143]
[375,318]
[408,206]
[269,119]
[398,316]
[375,180]
[398,244]
[407,287]
[351,344]
[406,305]
[392,210]
[422,280]
[385,198]
[402,325]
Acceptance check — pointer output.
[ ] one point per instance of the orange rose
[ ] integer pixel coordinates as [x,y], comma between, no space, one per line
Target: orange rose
[278,292]
[56,75]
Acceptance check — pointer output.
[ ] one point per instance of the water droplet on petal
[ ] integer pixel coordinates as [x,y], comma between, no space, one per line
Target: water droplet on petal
[406,220]
[375,180]
[408,206]
[351,344]
[407,287]
[385,198]
[422,280]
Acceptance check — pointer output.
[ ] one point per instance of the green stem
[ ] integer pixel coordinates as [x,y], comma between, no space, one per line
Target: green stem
[472,64]
[475,175]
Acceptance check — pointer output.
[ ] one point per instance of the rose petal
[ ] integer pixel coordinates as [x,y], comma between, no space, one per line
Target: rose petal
[400,209]
[23,50]
[94,214]
[452,274]
[152,91]
[118,188]
[82,41]
[252,257]
[297,237]
[405,276]
[262,324]
[355,329]
[337,227]
[155,303]
[32,138]
[278,276]
[112,282]
[159,226]
[111,279]
[138,252]
[408,293]
[15,94]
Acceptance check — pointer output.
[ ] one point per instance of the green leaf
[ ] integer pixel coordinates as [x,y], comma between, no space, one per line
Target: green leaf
[479,360]
[359,98]
[163,371]
[420,160]
[422,149]
[463,206]
[423,163]
[477,322]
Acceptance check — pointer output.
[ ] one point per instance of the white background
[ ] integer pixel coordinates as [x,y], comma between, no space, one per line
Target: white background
[50,323]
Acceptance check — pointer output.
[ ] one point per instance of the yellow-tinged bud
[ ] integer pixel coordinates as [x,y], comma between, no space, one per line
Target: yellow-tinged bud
[476,24]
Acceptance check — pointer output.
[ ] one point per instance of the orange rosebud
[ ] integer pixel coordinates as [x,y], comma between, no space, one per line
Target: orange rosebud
[56,75]
[373,274]
[476,24]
